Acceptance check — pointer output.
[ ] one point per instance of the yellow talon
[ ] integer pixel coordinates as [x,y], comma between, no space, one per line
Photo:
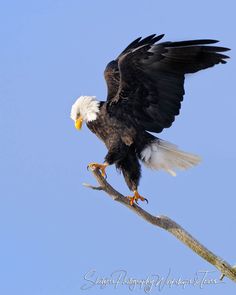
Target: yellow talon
[135,198]
[101,167]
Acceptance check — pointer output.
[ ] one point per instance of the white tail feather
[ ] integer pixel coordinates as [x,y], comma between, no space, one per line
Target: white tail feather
[164,155]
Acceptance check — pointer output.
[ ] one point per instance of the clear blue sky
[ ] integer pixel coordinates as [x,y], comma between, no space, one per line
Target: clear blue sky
[52,229]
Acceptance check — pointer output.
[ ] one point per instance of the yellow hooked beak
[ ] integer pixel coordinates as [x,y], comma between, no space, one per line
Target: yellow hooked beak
[79,123]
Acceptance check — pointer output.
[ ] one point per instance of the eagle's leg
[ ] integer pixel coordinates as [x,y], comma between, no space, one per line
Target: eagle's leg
[131,170]
[135,198]
[101,167]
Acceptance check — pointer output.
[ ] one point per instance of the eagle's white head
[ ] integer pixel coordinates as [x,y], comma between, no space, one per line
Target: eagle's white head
[86,109]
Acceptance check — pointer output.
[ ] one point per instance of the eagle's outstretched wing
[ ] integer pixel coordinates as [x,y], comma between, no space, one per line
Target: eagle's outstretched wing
[112,72]
[146,81]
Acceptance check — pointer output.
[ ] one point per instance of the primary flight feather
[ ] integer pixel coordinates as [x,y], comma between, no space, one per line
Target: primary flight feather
[145,90]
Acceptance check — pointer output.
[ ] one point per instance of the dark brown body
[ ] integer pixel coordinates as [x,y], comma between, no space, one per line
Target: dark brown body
[124,143]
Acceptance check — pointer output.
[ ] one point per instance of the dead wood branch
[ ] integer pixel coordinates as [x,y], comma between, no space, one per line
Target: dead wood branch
[167,224]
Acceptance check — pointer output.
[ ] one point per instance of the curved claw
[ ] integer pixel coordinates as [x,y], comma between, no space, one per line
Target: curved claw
[136,197]
[146,200]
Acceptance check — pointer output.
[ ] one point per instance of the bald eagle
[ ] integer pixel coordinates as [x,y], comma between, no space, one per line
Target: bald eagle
[145,90]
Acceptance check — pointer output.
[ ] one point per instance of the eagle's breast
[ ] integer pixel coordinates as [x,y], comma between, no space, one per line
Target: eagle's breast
[111,130]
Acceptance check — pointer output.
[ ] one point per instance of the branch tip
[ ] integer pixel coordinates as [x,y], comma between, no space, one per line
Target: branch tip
[98,188]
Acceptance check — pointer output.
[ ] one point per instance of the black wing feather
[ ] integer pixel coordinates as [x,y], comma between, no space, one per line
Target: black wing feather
[112,73]
[146,81]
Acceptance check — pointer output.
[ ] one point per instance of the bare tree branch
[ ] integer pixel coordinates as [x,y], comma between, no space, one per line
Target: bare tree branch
[169,225]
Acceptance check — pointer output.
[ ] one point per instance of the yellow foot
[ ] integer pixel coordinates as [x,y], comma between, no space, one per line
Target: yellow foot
[101,167]
[135,198]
